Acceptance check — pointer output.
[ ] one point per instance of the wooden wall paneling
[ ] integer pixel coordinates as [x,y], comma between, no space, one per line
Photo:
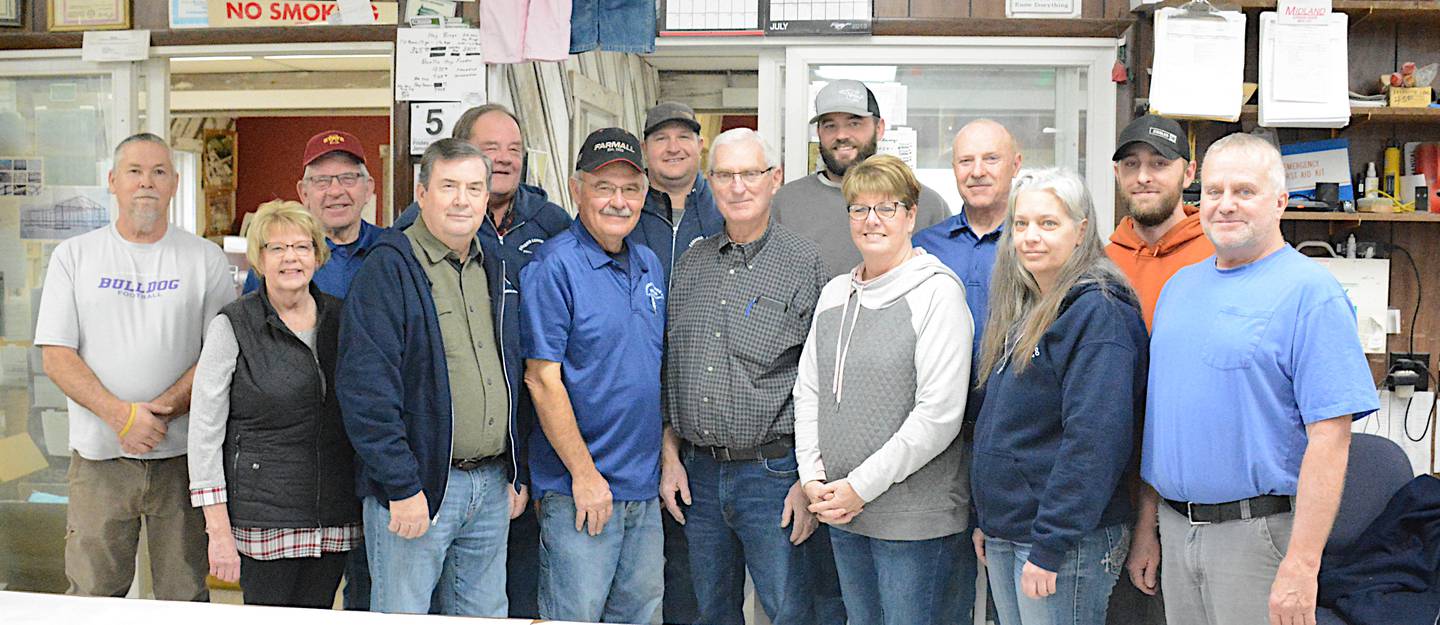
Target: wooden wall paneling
[1117,9]
[1372,53]
[892,8]
[1419,240]
[1142,56]
[149,15]
[987,8]
[948,8]
[558,112]
[1092,8]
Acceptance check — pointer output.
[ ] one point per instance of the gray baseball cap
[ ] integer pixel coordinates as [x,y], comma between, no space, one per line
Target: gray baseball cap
[846,96]
[666,112]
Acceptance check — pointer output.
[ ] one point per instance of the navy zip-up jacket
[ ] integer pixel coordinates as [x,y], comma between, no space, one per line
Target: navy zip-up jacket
[657,232]
[1053,443]
[392,380]
[536,220]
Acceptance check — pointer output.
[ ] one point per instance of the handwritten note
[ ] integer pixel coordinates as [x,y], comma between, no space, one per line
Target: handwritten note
[438,64]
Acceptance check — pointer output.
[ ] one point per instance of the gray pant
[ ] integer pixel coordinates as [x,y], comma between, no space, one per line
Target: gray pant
[1220,574]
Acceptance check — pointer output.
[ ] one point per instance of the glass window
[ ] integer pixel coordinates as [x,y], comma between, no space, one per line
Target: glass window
[1054,95]
[55,140]
[925,105]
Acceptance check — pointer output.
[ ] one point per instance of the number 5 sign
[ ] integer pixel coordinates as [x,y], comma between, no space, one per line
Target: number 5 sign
[432,121]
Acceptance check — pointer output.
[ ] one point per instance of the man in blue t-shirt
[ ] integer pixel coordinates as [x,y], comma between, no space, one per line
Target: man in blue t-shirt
[1256,373]
[336,187]
[592,328]
[986,160]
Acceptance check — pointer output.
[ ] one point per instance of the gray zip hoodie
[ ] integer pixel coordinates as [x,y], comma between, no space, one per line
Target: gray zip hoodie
[881,394]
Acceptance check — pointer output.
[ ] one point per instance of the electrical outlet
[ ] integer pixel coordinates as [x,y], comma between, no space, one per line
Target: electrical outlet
[1418,357]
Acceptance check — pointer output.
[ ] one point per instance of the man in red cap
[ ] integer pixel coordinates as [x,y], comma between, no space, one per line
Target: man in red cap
[336,187]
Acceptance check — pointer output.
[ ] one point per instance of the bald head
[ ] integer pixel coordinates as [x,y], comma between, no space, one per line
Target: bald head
[986,159]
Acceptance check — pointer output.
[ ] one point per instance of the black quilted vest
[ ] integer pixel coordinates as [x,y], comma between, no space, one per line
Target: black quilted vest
[288,462]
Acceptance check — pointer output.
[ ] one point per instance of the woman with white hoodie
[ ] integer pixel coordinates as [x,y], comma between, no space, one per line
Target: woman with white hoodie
[878,406]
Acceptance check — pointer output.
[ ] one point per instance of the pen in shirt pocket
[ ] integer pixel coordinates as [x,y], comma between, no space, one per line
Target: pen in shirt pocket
[750,306]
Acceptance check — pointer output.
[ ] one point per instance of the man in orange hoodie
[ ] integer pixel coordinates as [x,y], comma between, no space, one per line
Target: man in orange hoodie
[1161,234]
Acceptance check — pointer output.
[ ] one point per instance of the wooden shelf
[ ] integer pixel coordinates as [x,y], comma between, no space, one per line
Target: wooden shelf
[1360,217]
[1413,10]
[1362,114]
[1002,27]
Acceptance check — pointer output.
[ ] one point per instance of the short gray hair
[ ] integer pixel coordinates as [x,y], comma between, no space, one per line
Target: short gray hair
[1258,148]
[735,136]
[466,124]
[139,137]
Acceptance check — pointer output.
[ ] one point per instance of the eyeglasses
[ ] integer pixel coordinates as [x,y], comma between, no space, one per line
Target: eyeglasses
[728,177]
[321,183]
[629,192]
[883,210]
[302,249]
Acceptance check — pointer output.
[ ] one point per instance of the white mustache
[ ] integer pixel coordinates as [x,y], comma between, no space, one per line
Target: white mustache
[611,211]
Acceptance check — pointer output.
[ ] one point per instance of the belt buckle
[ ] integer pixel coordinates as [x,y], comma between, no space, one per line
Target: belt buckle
[720,453]
[1190,515]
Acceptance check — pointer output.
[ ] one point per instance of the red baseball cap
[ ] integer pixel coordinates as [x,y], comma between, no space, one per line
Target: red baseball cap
[332,141]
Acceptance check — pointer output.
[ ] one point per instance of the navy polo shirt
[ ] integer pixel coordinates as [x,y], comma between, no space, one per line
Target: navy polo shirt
[971,257]
[605,324]
[334,277]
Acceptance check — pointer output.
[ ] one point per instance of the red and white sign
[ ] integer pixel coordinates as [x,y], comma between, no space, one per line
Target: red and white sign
[271,13]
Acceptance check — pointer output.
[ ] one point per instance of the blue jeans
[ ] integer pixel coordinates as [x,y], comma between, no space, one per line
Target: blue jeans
[895,582]
[460,560]
[614,25]
[1082,587]
[614,577]
[734,524]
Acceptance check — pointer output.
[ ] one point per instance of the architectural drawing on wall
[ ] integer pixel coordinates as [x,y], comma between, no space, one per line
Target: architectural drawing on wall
[61,213]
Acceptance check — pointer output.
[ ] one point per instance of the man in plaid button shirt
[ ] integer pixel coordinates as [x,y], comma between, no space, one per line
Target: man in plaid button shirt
[740,308]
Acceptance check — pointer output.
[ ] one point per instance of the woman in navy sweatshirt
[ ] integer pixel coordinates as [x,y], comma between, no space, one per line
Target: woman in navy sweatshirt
[1064,365]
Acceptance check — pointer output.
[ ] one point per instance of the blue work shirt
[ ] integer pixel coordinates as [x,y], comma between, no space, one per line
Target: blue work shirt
[971,257]
[605,325]
[1241,360]
[334,277]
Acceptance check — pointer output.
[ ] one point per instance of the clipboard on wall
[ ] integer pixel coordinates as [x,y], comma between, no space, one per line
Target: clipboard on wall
[1199,66]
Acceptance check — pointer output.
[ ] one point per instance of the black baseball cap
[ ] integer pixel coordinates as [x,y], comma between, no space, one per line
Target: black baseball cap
[608,145]
[666,112]
[1163,134]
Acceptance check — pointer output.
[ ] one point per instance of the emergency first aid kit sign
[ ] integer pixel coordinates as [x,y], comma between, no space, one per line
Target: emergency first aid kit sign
[271,13]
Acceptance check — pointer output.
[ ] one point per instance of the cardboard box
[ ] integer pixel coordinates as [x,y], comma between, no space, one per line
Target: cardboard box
[1410,97]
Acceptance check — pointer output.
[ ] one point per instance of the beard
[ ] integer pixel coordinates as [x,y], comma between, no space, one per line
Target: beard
[1151,216]
[834,166]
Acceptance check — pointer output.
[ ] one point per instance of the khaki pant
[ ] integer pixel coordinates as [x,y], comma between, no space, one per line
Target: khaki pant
[1220,574]
[108,499]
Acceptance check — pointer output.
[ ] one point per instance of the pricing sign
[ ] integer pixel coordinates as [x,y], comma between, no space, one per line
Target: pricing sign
[431,122]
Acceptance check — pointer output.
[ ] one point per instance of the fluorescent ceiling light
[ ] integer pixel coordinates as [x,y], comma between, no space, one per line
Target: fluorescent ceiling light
[862,73]
[284,57]
[211,58]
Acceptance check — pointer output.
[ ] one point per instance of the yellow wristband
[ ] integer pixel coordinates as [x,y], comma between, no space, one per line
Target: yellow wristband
[129,422]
